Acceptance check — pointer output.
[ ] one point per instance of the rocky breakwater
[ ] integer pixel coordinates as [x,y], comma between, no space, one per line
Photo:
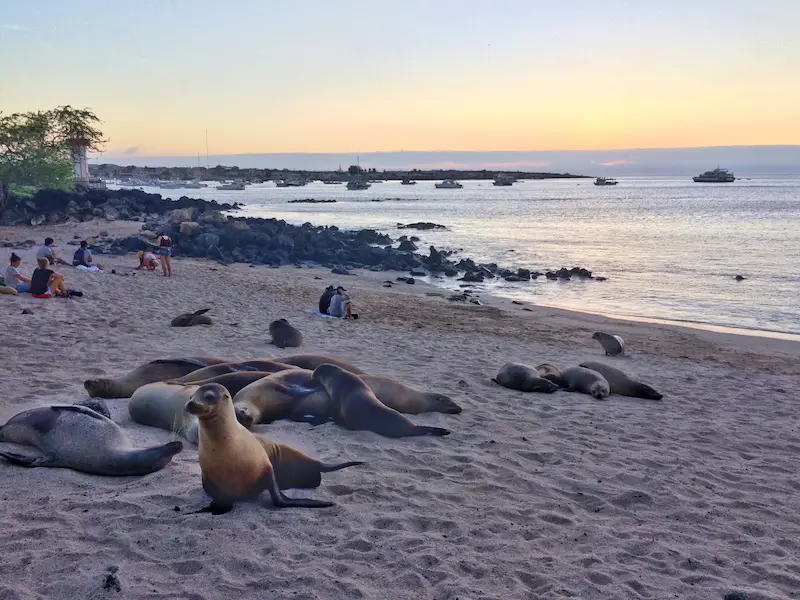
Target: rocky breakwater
[50,207]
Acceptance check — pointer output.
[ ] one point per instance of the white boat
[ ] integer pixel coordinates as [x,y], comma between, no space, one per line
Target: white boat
[290,183]
[358,184]
[504,180]
[449,184]
[716,176]
[605,181]
[237,185]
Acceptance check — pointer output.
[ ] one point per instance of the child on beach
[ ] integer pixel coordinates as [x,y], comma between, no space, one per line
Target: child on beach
[14,278]
[147,260]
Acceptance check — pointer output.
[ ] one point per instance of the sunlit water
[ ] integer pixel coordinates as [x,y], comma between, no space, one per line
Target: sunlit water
[670,248]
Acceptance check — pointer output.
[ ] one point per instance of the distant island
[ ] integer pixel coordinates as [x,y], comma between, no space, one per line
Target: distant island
[235,174]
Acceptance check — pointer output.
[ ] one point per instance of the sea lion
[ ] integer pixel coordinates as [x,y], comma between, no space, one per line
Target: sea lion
[76,437]
[612,344]
[547,369]
[312,361]
[355,407]
[234,464]
[516,376]
[295,395]
[580,379]
[263,366]
[285,335]
[620,383]
[163,404]
[156,370]
[198,317]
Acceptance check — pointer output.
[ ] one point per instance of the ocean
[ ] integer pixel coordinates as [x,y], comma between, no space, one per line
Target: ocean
[670,247]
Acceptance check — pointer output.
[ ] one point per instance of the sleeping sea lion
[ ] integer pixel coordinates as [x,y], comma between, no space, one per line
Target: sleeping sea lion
[235,465]
[198,317]
[620,383]
[355,407]
[156,370]
[285,335]
[612,344]
[516,376]
[76,437]
[580,379]
[295,395]
[264,366]
[312,361]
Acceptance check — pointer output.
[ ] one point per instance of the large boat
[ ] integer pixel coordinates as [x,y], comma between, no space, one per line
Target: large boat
[290,183]
[605,181]
[716,176]
[358,184]
[449,184]
[236,185]
[504,180]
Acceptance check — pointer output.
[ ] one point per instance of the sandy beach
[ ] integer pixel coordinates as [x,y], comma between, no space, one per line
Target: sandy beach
[531,496]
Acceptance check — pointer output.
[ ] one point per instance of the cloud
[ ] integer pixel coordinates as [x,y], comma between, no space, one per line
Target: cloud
[13,27]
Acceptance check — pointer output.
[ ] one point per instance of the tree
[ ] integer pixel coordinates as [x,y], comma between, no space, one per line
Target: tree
[36,147]
[354,170]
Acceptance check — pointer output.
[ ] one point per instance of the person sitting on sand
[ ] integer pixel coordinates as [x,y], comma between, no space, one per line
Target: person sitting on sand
[341,305]
[83,256]
[148,260]
[15,279]
[325,299]
[46,282]
[165,253]
[47,252]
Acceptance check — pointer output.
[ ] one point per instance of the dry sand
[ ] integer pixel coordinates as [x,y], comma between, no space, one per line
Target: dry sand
[531,496]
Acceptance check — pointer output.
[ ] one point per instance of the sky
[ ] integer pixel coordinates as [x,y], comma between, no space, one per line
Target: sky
[351,76]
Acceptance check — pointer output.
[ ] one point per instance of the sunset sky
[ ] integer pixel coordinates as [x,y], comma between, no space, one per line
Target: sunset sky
[357,76]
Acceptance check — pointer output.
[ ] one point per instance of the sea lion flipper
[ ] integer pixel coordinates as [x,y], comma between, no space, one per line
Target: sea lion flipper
[81,409]
[325,468]
[313,420]
[215,508]
[202,311]
[95,404]
[26,461]
[282,501]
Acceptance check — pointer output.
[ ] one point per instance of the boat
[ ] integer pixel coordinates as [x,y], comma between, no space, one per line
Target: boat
[194,185]
[281,183]
[327,182]
[504,180]
[605,181]
[236,185]
[716,176]
[358,184]
[448,184]
[407,181]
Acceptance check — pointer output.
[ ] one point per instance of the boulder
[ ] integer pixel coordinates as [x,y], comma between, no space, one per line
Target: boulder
[407,246]
[190,228]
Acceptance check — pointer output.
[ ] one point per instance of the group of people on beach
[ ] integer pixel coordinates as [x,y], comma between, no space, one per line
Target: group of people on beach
[44,282]
[150,261]
[336,303]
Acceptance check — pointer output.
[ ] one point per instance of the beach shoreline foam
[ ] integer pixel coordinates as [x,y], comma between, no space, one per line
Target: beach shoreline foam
[531,495]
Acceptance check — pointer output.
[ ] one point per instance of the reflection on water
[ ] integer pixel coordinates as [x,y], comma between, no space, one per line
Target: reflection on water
[670,248]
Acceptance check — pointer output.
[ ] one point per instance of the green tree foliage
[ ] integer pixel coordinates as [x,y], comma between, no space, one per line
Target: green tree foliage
[36,147]
[354,170]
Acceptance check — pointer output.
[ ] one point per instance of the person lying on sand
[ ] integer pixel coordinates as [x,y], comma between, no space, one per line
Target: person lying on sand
[14,278]
[46,282]
[83,257]
[148,260]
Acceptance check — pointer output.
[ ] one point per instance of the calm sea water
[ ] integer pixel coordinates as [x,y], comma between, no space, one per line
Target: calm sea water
[669,247]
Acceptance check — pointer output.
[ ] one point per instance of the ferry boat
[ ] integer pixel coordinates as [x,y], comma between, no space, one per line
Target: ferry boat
[448,184]
[504,180]
[237,185]
[605,181]
[358,184]
[716,176]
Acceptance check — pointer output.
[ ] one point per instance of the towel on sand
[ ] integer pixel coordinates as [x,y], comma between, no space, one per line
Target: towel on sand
[319,314]
[92,269]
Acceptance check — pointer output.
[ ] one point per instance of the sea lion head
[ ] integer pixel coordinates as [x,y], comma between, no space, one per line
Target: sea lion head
[245,416]
[443,404]
[599,390]
[207,400]
[648,393]
[97,388]
[325,370]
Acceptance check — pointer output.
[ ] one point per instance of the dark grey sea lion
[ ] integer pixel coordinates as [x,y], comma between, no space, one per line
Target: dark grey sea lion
[580,379]
[621,384]
[76,437]
[612,344]
[285,335]
[516,376]
[198,317]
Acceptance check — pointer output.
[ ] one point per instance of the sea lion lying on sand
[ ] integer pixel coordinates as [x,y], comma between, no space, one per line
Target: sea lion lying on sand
[198,317]
[516,376]
[620,383]
[264,366]
[156,370]
[76,437]
[578,379]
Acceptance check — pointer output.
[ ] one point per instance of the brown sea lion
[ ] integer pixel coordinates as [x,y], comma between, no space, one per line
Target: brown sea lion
[264,366]
[580,379]
[295,395]
[285,335]
[156,370]
[516,376]
[199,317]
[312,361]
[612,344]
[355,407]
[620,383]
[235,465]
[76,437]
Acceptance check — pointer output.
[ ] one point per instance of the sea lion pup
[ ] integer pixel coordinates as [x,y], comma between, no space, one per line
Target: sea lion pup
[548,369]
[76,437]
[285,335]
[580,379]
[156,370]
[612,344]
[198,317]
[620,383]
[516,376]
[355,407]
[234,464]
[312,361]
[263,366]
